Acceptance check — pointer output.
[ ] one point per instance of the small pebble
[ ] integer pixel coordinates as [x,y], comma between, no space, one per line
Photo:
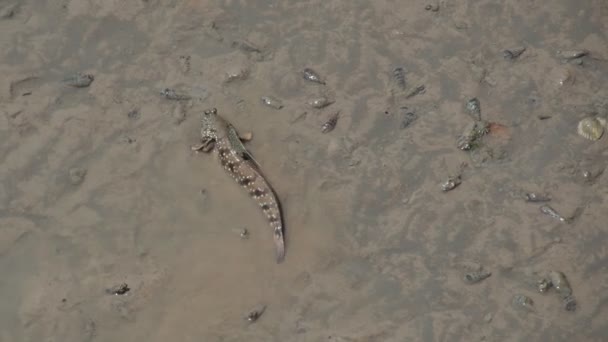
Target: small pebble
[572,54]
[513,53]
[119,290]
[473,107]
[534,197]
[310,75]
[171,94]
[549,211]
[255,313]
[272,102]
[319,102]
[77,175]
[235,73]
[79,80]
[520,301]
[543,285]
[476,276]
[331,123]
[450,184]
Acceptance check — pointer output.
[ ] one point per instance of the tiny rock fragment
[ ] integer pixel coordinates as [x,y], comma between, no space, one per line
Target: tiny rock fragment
[319,102]
[272,102]
[310,75]
[432,7]
[470,138]
[77,175]
[255,313]
[513,53]
[119,289]
[476,276]
[451,183]
[520,302]
[171,94]
[560,283]
[79,80]
[572,54]
[235,73]
[331,123]
[543,285]
[549,211]
[473,108]
[535,197]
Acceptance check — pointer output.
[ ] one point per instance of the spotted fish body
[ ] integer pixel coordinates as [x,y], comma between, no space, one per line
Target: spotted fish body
[220,135]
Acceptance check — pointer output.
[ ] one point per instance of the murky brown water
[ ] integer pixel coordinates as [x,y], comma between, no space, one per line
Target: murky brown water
[375,250]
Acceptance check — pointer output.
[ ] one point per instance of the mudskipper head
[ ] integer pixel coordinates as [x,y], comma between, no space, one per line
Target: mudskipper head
[210,124]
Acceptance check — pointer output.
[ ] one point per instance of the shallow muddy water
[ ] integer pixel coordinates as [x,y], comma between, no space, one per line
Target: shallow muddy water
[99,185]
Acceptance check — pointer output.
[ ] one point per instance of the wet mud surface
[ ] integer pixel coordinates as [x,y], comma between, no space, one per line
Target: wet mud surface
[112,228]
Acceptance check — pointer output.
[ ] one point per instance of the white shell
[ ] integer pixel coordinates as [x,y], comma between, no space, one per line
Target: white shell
[591,128]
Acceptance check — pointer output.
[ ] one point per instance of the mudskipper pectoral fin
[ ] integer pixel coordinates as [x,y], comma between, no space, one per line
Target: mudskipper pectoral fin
[206,145]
